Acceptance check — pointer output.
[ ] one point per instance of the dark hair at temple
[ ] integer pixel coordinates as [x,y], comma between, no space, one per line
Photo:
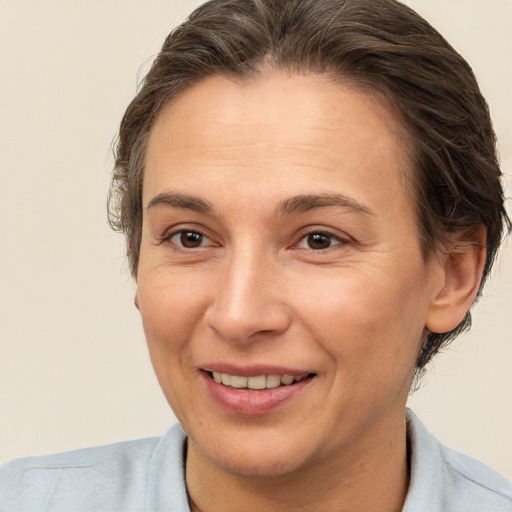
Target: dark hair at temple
[375,45]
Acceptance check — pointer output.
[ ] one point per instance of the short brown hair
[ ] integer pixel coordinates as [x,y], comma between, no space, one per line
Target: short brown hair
[378,45]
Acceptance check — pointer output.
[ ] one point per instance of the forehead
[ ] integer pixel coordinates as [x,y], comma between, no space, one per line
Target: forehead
[263,100]
[280,128]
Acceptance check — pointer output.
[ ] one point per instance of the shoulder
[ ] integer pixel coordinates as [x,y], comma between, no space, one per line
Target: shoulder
[449,481]
[482,484]
[112,477]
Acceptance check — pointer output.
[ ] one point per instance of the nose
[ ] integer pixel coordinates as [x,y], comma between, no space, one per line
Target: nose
[250,300]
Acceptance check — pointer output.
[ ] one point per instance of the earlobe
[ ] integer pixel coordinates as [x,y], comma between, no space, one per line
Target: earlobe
[462,270]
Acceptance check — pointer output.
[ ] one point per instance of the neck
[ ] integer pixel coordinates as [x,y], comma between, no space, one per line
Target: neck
[370,475]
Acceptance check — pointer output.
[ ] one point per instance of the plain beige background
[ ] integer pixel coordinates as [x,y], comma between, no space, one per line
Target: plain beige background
[73,365]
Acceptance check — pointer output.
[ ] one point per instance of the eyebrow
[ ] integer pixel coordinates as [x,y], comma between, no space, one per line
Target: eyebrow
[185,201]
[304,203]
[295,204]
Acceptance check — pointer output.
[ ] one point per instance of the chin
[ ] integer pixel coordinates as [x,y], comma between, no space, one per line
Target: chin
[258,466]
[254,460]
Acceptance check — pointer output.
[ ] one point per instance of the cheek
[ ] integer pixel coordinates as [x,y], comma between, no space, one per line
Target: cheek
[170,309]
[371,319]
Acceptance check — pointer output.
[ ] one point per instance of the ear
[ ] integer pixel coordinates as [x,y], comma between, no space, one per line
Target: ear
[461,270]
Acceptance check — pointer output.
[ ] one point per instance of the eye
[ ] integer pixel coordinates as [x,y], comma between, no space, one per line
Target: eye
[189,239]
[318,241]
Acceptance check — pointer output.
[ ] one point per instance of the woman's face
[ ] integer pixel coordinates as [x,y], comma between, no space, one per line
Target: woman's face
[280,244]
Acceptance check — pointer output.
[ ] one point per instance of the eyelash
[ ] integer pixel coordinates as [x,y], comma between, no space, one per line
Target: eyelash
[333,240]
[168,238]
[320,235]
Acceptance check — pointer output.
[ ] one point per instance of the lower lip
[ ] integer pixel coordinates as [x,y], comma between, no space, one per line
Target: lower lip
[252,402]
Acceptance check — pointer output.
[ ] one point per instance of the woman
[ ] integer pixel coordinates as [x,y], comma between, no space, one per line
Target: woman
[312,201]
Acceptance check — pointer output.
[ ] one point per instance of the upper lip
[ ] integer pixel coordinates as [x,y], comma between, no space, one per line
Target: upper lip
[253,370]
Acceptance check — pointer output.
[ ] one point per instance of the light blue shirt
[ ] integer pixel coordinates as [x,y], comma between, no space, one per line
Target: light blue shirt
[149,475]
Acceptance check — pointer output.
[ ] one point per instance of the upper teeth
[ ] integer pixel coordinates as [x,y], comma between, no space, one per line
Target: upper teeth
[259,382]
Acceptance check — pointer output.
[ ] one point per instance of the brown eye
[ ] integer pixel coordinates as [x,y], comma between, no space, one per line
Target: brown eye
[189,239]
[319,241]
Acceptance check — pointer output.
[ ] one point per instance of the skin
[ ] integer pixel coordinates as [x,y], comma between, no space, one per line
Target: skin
[256,291]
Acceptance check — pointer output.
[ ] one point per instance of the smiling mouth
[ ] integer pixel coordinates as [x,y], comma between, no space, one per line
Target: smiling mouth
[259,382]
